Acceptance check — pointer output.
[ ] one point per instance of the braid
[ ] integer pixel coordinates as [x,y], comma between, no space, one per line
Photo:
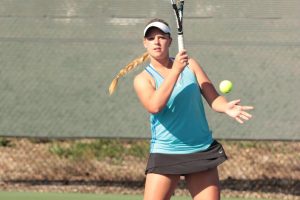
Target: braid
[125,70]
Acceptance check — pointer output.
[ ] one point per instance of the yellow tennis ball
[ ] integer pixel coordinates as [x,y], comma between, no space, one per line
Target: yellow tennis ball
[225,86]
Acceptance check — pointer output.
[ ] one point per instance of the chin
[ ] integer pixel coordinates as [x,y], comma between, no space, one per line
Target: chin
[158,55]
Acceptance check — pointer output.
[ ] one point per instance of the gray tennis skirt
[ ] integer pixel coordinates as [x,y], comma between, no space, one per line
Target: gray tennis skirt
[183,164]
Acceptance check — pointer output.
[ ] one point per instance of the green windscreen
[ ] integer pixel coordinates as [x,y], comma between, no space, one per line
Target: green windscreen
[58,57]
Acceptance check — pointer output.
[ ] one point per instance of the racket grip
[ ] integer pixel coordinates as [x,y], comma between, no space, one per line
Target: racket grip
[180,42]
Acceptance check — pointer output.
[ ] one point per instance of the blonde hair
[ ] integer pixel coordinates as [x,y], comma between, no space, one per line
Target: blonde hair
[132,65]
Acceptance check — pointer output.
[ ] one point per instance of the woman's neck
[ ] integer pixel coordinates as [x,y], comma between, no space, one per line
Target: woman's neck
[163,63]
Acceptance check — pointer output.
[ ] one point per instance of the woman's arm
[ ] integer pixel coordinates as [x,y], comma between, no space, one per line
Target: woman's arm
[218,103]
[154,100]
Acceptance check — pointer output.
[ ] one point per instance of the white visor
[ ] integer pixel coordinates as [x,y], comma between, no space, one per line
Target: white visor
[164,28]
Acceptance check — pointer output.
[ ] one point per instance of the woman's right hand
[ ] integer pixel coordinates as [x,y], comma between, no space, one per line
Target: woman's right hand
[181,60]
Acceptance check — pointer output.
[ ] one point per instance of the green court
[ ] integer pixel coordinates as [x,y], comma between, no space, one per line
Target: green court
[77,196]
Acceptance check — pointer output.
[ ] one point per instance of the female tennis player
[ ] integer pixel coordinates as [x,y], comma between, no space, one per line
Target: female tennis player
[170,89]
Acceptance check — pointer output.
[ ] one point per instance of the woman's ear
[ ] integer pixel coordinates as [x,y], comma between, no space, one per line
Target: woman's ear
[145,43]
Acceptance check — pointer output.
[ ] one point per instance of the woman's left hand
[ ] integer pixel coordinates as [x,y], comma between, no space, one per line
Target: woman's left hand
[237,111]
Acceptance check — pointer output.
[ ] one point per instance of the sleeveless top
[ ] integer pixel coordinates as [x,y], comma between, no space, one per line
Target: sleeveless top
[181,127]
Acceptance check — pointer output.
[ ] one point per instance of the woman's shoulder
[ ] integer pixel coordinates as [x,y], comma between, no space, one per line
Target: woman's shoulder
[143,78]
[194,62]
[194,65]
[142,75]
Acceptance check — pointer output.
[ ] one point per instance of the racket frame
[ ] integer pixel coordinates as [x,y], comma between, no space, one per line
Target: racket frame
[178,12]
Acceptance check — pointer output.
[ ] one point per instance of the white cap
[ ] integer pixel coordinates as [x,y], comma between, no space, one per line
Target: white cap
[163,27]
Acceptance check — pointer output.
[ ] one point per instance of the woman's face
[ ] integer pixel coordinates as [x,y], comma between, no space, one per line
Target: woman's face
[157,43]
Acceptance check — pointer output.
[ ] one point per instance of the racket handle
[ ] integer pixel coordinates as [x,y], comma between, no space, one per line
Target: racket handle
[180,42]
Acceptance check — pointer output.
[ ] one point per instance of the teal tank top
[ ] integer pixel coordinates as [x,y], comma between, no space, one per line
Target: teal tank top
[181,127]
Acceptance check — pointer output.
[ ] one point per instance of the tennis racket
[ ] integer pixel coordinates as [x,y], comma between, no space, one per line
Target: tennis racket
[178,11]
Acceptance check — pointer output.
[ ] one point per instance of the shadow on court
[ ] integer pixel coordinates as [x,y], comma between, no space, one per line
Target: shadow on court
[274,185]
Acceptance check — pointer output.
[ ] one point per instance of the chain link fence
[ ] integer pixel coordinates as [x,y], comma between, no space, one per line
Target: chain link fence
[57,59]
[261,169]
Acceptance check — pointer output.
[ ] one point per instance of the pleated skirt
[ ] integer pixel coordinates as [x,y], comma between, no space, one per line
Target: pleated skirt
[183,164]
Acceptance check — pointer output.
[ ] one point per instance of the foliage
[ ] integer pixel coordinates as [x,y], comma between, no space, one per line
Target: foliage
[4,142]
[100,149]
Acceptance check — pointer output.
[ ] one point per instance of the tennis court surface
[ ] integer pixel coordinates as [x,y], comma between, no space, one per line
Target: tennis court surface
[76,196]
